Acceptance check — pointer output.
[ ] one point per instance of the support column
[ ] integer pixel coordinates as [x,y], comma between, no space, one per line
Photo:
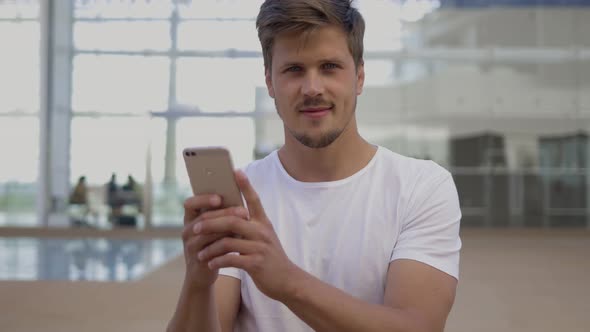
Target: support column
[55,115]
[171,151]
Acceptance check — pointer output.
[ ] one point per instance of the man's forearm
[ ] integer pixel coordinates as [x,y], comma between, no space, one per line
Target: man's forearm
[195,311]
[326,308]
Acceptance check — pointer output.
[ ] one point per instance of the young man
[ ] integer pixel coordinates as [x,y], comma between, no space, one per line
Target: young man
[339,235]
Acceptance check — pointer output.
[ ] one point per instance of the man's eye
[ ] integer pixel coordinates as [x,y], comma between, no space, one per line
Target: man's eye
[330,66]
[293,69]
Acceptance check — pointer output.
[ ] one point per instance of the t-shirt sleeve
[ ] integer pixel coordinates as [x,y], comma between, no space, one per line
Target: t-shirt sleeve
[430,224]
[231,272]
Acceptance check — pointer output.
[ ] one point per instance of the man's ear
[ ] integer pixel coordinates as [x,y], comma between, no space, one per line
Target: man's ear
[360,77]
[268,79]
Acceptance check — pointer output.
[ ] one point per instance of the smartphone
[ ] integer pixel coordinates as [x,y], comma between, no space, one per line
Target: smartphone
[211,171]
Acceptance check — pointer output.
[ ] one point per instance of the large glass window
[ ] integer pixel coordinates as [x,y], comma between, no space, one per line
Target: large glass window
[122,36]
[106,145]
[119,84]
[19,109]
[106,9]
[140,68]
[219,84]
[240,35]
[216,10]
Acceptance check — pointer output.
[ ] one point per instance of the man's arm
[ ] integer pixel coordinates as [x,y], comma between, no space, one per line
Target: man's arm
[211,310]
[417,298]
[208,301]
[228,298]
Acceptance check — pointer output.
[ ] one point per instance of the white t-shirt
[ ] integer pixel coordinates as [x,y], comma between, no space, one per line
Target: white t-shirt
[346,232]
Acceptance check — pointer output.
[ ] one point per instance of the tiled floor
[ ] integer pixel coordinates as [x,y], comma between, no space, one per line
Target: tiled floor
[91,259]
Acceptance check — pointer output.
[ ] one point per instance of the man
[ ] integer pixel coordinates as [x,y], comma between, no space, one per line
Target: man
[339,235]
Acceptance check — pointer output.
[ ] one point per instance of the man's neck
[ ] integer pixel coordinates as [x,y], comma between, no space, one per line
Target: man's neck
[341,159]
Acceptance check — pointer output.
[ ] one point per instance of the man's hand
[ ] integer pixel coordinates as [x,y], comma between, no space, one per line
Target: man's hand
[197,308]
[199,276]
[260,252]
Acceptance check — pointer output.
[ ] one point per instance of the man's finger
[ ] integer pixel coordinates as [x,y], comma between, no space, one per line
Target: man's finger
[227,245]
[228,224]
[237,211]
[251,197]
[243,262]
[197,243]
[194,205]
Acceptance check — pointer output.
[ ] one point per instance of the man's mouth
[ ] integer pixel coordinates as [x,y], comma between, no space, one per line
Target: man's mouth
[316,112]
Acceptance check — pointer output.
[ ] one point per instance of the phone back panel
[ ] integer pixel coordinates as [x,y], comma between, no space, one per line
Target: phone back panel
[211,171]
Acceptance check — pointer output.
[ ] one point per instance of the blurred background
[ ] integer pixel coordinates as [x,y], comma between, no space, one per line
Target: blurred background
[99,97]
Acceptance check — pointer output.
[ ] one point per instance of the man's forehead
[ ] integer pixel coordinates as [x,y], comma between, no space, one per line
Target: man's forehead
[324,42]
[311,37]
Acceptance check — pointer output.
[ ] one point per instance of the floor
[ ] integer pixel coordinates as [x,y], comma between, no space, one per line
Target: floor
[523,281]
[510,281]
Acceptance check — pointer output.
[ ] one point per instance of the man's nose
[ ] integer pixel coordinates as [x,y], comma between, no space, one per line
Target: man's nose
[313,84]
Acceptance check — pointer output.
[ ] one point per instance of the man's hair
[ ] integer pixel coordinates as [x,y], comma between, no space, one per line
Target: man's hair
[304,16]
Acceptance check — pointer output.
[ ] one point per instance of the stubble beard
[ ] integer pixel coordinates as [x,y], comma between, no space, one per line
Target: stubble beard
[325,139]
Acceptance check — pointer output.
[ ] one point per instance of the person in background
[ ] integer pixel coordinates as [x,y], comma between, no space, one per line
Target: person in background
[79,194]
[135,192]
[79,208]
[114,199]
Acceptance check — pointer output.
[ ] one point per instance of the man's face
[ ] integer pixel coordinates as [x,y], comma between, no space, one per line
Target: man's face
[314,83]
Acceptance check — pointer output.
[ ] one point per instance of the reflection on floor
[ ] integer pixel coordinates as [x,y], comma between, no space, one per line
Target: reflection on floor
[92,259]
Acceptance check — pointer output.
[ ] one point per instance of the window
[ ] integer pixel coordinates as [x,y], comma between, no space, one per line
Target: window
[130,85]
[240,35]
[121,79]
[19,108]
[219,84]
[122,35]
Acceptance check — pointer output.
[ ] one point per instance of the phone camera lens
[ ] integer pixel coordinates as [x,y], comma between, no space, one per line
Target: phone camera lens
[193,154]
[187,153]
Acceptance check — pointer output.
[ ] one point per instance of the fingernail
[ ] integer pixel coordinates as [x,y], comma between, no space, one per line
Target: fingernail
[197,228]
[215,200]
[200,255]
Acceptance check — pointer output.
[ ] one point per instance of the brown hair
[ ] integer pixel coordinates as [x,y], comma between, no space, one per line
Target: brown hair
[285,16]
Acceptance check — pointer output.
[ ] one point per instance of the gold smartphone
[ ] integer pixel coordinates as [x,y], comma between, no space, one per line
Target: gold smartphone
[211,171]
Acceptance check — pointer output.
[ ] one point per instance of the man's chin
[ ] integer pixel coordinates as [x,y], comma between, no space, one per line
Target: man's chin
[318,141]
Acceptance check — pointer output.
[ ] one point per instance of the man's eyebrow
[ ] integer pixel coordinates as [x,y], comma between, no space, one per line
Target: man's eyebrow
[300,64]
[334,60]
[291,63]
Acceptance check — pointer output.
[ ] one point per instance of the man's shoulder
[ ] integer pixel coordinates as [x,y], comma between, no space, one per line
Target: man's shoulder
[410,169]
[260,167]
